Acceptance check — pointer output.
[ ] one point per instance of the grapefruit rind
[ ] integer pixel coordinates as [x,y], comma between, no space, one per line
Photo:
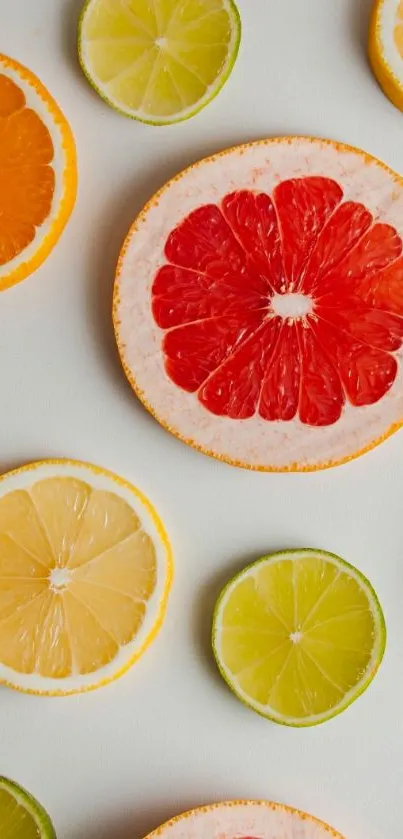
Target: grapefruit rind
[248,818]
[98,478]
[386,62]
[257,165]
[64,165]
[209,96]
[352,695]
[35,810]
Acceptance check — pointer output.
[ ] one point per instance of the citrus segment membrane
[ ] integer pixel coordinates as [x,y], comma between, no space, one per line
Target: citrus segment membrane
[270,318]
[246,819]
[298,636]
[81,576]
[37,172]
[159,61]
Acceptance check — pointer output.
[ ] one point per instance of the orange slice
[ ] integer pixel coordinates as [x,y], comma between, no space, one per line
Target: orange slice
[85,571]
[245,820]
[38,172]
[258,304]
[386,48]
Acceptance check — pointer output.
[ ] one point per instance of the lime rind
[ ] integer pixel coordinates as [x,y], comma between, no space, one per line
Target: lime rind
[31,805]
[212,91]
[377,653]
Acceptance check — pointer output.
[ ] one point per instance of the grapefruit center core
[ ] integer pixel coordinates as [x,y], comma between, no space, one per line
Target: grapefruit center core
[292,305]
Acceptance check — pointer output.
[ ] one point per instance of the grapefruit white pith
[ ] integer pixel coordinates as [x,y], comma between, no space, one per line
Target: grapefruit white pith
[258,304]
[245,820]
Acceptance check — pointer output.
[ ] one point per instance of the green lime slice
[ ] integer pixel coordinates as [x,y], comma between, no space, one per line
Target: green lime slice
[21,816]
[298,636]
[158,61]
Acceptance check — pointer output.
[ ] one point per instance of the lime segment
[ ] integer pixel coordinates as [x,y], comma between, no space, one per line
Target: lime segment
[21,816]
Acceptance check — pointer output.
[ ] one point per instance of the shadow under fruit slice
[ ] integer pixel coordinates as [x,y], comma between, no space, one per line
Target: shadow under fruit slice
[258,304]
[298,636]
[21,816]
[245,820]
[85,572]
[38,172]
[159,61]
[386,48]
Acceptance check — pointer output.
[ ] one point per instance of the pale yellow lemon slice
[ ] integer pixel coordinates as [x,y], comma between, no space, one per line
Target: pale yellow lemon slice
[85,570]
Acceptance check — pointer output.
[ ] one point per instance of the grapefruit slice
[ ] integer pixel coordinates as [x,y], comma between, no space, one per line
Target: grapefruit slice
[38,172]
[245,820]
[386,48]
[258,304]
[298,636]
[85,571]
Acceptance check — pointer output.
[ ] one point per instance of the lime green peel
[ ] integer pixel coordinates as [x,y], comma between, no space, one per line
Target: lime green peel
[21,816]
[158,61]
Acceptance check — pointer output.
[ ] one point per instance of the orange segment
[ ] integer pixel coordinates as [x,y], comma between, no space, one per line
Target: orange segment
[20,629]
[111,519]
[130,567]
[19,520]
[60,504]
[92,645]
[11,97]
[53,656]
[37,155]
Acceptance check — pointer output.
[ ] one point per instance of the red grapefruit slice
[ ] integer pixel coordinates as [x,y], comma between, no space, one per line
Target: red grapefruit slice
[258,304]
[245,820]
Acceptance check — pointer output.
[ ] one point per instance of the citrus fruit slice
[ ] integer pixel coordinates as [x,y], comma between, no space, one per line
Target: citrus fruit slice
[386,48]
[159,61]
[85,571]
[245,820]
[21,816]
[258,304]
[38,173]
[298,636]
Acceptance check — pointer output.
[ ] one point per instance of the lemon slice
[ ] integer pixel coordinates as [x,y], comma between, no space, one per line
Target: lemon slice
[298,636]
[21,816]
[386,48]
[85,570]
[159,61]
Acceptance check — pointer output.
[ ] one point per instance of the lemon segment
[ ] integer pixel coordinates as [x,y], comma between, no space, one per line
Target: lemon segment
[298,636]
[85,569]
[159,61]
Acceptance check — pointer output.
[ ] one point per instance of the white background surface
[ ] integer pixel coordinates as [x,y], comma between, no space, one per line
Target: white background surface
[114,764]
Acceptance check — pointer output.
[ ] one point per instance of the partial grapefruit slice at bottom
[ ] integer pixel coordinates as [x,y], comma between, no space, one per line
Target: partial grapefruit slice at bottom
[85,571]
[298,636]
[245,820]
[38,172]
[258,304]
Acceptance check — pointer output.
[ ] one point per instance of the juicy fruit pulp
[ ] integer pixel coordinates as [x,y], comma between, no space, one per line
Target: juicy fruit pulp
[298,636]
[21,817]
[27,179]
[282,306]
[76,572]
[159,60]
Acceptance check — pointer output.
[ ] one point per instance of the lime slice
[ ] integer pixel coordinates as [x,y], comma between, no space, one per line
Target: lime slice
[298,636]
[158,61]
[21,816]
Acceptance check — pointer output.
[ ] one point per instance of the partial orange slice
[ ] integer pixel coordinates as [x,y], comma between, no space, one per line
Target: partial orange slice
[386,48]
[245,820]
[85,571]
[38,172]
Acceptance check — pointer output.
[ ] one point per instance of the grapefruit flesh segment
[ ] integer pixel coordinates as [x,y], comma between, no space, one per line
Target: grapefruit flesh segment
[249,252]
